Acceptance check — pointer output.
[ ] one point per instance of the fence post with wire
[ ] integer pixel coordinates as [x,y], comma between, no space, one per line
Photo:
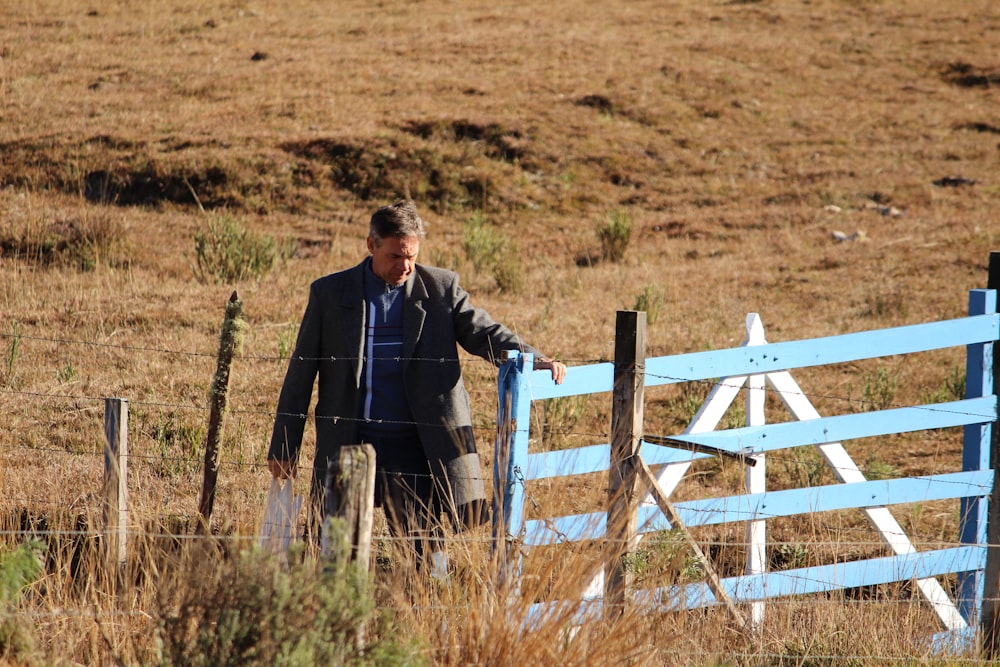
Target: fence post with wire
[757,366]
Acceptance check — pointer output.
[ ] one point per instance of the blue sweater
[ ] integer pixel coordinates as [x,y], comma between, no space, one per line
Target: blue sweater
[384,407]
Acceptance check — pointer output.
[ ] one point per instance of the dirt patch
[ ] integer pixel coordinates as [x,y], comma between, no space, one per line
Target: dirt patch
[971,76]
[153,184]
[110,170]
[607,107]
[600,103]
[383,169]
[431,162]
[498,142]
[985,128]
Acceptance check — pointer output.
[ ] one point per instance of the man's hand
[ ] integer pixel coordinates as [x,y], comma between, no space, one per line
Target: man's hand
[281,469]
[558,368]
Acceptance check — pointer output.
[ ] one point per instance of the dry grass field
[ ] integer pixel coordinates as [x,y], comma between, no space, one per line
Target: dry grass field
[744,140]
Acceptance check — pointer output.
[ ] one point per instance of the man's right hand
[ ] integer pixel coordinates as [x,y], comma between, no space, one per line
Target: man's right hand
[281,469]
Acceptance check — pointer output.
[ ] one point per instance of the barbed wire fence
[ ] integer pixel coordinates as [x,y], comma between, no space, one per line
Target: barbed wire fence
[96,399]
[845,537]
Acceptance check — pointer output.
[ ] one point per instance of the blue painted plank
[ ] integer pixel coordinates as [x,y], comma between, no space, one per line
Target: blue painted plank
[771,504]
[791,502]
[757,439]
[562,613]
[822,578]
[597,458]
[956,643]
[821,351]
[771,585]
[659,455]
[713,364]
[564,462]
[562,529]
[589,379]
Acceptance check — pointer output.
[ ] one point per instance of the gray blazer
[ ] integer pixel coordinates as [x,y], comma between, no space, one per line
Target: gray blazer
[437,318]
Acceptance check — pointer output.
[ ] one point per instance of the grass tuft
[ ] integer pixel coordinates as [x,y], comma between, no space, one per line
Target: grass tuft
[614,234]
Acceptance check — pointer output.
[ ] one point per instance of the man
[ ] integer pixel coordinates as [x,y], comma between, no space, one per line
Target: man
[383,337]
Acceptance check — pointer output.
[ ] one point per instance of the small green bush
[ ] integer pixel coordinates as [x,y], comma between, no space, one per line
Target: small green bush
[481,242]
[559,417]
[614,234]
[489,250]
[227,252]
[878,391]
[18,569]
[876,468]
[685,402]
[251,609]
[952,389]
[649,301]
[508,270]
[666,556]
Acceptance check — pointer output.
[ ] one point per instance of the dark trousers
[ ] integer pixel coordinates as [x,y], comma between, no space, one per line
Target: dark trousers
[407,492]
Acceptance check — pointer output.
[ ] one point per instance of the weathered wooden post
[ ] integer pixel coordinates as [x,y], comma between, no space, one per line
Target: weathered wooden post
[349,505]
[626,434]
[115,482]
[990,619]
[229,343]
[502,479]
[349,513]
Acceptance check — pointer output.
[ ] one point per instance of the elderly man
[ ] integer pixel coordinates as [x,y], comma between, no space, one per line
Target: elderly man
[383,338]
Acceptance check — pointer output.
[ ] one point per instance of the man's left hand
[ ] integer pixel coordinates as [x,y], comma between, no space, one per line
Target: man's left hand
[558,368]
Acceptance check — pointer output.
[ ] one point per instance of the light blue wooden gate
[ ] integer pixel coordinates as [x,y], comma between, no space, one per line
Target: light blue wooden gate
[754,364]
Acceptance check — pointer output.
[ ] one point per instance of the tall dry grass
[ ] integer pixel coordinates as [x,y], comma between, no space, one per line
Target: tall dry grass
[737,136]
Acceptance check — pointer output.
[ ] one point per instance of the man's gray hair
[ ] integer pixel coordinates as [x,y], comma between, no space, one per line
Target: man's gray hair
[398,220]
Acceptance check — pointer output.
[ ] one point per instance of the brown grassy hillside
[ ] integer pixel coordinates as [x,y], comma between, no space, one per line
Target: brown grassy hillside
[738,136]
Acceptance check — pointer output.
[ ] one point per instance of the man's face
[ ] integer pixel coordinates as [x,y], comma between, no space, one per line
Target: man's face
[393,259]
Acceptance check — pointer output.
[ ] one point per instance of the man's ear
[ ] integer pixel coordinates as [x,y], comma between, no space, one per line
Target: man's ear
[371,245]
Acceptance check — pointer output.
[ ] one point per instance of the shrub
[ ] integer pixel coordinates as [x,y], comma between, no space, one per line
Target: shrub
[488,250]
[508,270]
[649,301]
[876,468]
[685,402]
[878,391]
[18,569]
[228,252]
[614,235]
[952,389]
[480,242]
[252,610]
[559,416]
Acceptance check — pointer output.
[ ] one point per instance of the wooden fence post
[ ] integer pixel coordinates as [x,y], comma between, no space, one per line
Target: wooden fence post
[626,434]
[115,481]
[349,513]
[502,476]
[349,505]
[990,618]
[229,342]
